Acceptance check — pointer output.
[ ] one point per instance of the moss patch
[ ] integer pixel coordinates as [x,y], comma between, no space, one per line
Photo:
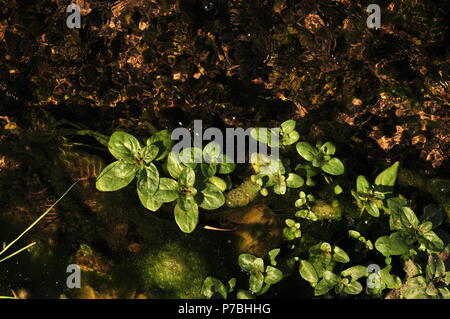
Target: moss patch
[173,272]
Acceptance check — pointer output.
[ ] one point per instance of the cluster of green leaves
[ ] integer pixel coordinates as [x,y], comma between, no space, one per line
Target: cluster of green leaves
[134,160]
[279,175]
[212,286]
[198,185]
[274,173]
[411,237]
[321,156]
[410,233]
[292,230]
[192,185]
[324,278]
[283,136]
[370,197]
[382,279]
[318,270]
[433,283]
[321,270]
[304,203]
[261,277]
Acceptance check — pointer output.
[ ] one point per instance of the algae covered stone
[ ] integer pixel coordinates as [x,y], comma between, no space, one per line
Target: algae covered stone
[173,271]
[242,195]
[324,210]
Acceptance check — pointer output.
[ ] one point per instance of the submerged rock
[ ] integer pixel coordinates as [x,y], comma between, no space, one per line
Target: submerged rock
[255,230]
[242,195]
[173,271]
[259,230]
[330,211]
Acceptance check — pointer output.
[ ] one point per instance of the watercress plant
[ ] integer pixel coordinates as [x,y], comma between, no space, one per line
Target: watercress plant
[196,179]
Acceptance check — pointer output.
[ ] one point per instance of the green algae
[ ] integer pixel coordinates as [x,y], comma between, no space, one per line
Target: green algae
[173,272]
[242,195]
[328,211]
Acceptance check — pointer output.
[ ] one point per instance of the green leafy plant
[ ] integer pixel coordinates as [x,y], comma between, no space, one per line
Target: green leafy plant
[319,271]
[197,184]
[212,286]
[292,230]
[274,173]
[261,277]
[134,160]
[304,203]
[192,186]
[321,156]
[196,179]
[432,283]
[287,135]
[369,196]
[409,232]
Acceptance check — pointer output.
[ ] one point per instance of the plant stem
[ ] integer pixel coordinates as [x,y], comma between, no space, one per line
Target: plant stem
[18,252]
[36,221]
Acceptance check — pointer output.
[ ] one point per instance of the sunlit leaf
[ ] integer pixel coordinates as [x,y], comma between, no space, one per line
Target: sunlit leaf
[123,146]
[115,176]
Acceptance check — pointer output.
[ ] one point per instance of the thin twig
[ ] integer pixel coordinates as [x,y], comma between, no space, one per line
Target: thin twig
[37,220]
[18,251]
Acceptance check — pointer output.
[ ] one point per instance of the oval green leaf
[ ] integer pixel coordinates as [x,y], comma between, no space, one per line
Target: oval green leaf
[148,180]
[308,272]
[186,219]
[213,198]
[353,288]
[150,202]
[355,272]
[256,282]
[307,151]
[328,148]
[362,185]
[340,255]
[187,177]
[288,126]
[123,146]
[333,167]
[174,166]
[115,176]
[294,181]
[273,275]
[167,191]
[388,176]
[163,141]
[246,262]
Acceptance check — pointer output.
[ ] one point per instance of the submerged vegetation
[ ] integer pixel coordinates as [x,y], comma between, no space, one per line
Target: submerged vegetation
[402,239]
[357,206]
